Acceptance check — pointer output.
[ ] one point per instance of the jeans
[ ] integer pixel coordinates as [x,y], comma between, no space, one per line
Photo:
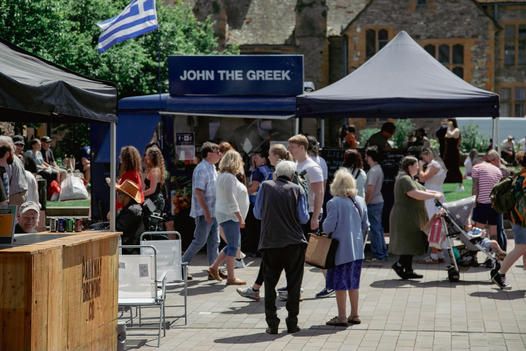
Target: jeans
[233,237]
[376,232]
[204,233]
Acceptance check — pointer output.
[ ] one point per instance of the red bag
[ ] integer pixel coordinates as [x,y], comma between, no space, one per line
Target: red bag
[53,188]
[435,231]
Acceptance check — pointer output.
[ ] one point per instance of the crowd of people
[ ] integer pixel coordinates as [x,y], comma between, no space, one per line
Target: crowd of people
[276,207]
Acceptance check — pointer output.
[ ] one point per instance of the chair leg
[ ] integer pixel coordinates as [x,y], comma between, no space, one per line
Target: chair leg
[160,322]
[185,300]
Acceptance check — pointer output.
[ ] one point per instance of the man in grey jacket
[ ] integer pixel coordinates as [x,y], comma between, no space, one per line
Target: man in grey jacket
[282,208]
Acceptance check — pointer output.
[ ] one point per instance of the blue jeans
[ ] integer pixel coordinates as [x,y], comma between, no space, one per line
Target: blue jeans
[233,237]
[204,233]
[376,232]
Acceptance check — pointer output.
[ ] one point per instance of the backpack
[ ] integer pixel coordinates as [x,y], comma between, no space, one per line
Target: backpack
[519,210]
[502,195]
[299,178]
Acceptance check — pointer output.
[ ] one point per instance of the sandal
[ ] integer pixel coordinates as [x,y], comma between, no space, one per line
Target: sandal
[500,256]
[214,273]
[354,320]
[336,322]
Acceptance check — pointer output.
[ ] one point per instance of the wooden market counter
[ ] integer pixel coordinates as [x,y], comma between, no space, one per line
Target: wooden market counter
[59,292]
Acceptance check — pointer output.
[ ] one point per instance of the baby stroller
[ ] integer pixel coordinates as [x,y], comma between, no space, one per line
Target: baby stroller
[466,254]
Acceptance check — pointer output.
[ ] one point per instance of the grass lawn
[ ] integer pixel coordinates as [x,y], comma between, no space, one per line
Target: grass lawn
[451,194]
[69,203]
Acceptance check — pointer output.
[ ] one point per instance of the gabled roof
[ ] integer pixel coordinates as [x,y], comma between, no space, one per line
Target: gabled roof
[401,80]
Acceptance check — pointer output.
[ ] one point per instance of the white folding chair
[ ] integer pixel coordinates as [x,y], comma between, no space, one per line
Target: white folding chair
[169,255]
[141,285]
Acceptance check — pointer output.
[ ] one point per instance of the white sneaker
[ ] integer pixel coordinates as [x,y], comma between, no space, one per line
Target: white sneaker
[239,263]
[249,293]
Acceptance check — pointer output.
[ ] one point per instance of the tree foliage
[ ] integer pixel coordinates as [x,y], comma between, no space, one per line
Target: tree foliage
[65,32]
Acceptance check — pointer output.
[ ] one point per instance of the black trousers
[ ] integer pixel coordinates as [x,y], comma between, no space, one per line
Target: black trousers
[291,259]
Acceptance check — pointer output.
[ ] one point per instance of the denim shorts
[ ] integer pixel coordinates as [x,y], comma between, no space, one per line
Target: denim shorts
[519,233]
[233,237]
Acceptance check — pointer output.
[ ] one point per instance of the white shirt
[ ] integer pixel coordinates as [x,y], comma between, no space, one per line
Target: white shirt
[231,197]
[314,175]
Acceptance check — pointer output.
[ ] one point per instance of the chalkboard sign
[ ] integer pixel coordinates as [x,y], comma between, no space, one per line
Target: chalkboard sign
[334,159]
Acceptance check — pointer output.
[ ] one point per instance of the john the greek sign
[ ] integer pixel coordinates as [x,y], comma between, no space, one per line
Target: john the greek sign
[255,75]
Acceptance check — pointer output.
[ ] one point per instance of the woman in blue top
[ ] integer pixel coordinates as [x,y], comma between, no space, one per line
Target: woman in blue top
[347,221]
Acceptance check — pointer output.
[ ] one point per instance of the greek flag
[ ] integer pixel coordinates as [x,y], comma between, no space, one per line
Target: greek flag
[138,18]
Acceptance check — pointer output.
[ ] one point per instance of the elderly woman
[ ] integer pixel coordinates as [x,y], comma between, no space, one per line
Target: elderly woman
[408,216]
[231,210]
[347,221]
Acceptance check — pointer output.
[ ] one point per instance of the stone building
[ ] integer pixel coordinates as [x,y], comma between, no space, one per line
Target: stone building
[482,41]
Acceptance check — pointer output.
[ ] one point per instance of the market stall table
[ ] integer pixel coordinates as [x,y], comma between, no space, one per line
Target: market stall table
[59,292]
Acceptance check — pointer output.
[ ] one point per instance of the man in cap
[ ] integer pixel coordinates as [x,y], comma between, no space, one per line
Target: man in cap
[129,220]
[17,176]
[47,153]
[28,214]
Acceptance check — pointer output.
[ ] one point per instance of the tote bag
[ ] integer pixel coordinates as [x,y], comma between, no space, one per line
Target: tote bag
[321,251]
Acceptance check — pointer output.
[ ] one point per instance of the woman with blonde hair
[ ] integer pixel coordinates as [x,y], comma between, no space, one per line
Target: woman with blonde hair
[347,221]
[230,211]
[155,175]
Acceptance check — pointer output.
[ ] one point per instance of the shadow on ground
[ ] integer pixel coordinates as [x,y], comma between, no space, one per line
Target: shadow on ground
[315,330]
[500,294]
[400,283]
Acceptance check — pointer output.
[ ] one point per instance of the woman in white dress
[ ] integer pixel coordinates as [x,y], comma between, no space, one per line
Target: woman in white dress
[433,178]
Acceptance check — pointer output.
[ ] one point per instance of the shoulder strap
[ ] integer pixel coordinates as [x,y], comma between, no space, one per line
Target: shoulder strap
[357,207]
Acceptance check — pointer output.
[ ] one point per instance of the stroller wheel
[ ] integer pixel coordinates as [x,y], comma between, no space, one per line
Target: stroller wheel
[489,263]
[453,275]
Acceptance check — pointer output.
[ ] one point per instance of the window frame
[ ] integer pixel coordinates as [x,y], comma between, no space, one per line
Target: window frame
[467,65]
[376,28]
[516,25]
[512,101]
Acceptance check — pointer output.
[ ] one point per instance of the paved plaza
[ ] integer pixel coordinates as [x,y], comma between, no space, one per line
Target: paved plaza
[430,314]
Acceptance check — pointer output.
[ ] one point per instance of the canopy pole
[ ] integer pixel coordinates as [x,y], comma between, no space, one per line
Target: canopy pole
[113,165]
[322,133]
[495,132]
[296,126]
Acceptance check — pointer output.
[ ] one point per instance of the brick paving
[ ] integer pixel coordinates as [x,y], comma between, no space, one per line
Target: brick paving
[430,314]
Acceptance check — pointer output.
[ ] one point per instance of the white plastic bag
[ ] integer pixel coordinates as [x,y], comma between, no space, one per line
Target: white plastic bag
[73,189]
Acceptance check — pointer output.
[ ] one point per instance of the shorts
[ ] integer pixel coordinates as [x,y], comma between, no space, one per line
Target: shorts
[519,233]
[485,214]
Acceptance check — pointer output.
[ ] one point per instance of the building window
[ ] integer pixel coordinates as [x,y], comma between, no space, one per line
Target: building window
[515,44]
[375,40]
[451,56]
[513,101]
[421,3]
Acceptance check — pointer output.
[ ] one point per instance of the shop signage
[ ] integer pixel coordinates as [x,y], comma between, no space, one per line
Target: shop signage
[255,75]
[185,146]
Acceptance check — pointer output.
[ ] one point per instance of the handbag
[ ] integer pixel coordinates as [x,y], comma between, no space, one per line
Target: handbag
[321,250]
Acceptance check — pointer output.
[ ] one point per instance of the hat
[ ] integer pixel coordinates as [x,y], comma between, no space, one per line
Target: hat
[28,205]
[18,139]
[510,137]
[45,139]
[131,189]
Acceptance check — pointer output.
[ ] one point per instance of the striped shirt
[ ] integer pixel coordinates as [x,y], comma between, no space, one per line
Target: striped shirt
[487,175]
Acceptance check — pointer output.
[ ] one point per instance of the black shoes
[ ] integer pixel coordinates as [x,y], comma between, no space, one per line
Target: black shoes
[500,280]
[399,270]
[271,331]
[402,273]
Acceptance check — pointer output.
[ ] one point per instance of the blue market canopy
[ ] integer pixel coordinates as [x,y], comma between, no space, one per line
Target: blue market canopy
[401,80]
[34,89]
[214,106]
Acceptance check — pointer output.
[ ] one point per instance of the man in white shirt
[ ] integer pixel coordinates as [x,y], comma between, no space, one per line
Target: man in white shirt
[298,146]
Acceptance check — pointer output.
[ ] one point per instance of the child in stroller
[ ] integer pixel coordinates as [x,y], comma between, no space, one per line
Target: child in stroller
[473,241]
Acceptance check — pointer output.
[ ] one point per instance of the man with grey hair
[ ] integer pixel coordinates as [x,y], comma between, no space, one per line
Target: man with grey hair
[16,174]
[282,208]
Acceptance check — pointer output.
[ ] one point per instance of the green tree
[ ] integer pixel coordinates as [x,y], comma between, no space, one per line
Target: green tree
[65,32]
[471,138]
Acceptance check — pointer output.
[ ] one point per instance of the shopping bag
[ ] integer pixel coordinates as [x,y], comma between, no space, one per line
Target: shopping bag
[321,251]
[72,188]
[435,231]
